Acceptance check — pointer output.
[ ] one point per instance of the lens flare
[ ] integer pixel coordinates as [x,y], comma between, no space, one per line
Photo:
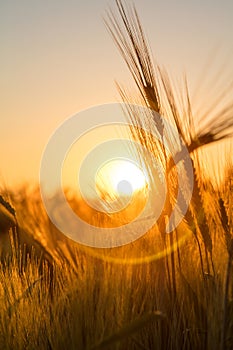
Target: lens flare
[119,201]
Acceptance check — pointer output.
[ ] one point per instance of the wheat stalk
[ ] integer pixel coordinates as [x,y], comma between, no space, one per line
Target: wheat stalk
[157,93]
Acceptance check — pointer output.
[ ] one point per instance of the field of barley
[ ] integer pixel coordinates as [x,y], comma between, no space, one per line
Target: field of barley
[162,291]
[122,298]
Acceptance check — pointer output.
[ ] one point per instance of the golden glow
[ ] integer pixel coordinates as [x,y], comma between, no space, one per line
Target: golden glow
[112,175]
[61,78]
[121,177]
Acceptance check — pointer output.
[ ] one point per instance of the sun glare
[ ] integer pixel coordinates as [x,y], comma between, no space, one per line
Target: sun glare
[121,177]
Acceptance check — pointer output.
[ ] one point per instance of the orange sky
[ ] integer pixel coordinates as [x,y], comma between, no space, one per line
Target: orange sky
[57,58]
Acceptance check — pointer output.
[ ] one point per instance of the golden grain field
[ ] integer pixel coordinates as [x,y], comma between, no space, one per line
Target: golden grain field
[162,291]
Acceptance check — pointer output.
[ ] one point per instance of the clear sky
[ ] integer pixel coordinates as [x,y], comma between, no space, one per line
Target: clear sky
[58,58]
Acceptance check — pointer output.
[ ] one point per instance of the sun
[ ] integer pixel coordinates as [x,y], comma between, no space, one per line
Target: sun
[120,177]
